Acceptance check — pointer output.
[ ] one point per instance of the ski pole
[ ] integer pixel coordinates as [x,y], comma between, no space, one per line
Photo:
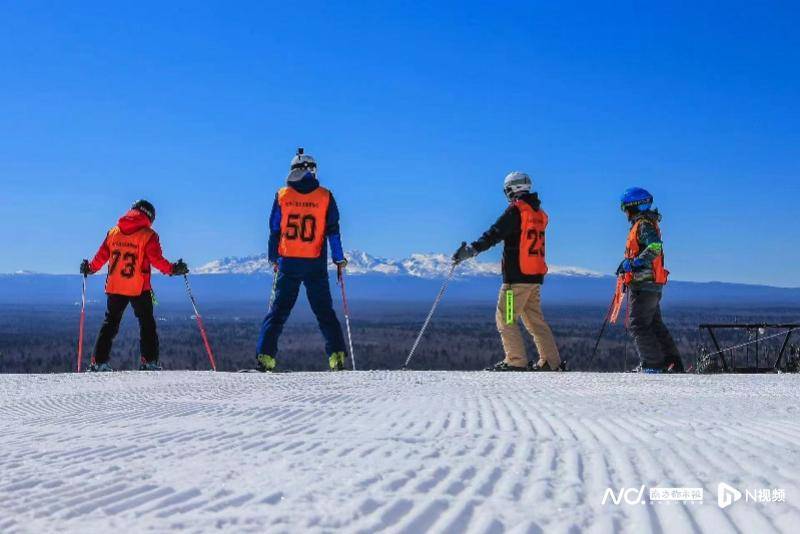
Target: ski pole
[82,322]
[430,314]
[274,286]
[603,328]
[200,323]
[347,317]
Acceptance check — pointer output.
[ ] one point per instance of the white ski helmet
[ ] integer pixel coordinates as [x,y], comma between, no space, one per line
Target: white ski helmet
[517,184]
[301,160]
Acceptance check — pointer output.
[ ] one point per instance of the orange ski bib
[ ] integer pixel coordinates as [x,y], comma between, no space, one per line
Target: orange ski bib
[125,273]
[632,251]
[531,242]
[302,222]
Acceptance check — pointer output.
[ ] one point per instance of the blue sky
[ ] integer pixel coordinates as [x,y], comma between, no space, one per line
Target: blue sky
[415,113]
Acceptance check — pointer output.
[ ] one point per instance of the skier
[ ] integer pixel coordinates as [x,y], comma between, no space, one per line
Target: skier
[644,277]
[522,229]
[130,247]
[303,215]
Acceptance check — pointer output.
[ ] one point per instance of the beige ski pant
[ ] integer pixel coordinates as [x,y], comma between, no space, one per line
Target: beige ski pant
[524,301]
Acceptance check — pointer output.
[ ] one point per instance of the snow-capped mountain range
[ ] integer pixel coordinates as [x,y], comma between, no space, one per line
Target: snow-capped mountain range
[416,265]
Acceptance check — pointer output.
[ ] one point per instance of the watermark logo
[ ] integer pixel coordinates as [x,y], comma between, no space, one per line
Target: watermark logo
[627,495]
[727,495]
[655,495]
[683,495]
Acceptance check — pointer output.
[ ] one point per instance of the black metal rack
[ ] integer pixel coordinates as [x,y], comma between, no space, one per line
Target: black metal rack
[756,337]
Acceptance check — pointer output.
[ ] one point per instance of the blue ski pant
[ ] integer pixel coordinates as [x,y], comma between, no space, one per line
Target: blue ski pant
[287,287]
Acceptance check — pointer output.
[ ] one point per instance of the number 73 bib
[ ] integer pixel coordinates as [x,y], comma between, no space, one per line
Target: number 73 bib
[302,222]
[125,273]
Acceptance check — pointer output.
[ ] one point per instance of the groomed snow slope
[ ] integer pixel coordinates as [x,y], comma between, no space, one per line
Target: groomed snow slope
[395,451]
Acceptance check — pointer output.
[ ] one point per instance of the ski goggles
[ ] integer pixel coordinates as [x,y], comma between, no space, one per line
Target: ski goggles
[298,174]
[625,205]
[305,165]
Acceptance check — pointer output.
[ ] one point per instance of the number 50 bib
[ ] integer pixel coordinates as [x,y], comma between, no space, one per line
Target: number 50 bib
[125,273]
[302,222]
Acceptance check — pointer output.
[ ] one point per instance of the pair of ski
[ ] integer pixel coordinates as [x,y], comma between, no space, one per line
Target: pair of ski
[428,320]
[273,372]
[201,325]
[529,369]
[197,316]
[345,306]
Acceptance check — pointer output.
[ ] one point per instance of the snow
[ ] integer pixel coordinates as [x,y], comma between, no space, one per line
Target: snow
[392,451]
[431,265]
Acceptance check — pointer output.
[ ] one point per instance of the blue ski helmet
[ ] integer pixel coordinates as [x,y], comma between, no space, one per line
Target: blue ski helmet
[637,199]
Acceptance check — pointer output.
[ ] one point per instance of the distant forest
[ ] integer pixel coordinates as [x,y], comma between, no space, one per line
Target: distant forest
[44,340]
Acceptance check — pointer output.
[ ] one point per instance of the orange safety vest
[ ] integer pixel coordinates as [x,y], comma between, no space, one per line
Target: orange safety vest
[531,241]
[126,275]
[302,222]
[632,251]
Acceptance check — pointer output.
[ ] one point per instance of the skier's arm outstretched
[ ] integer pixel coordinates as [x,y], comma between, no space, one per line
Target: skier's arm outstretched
[156,257]
[502,228]
[100,259]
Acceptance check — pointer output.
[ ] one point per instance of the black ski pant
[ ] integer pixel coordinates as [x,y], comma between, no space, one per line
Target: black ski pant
[148,336]
[652,339]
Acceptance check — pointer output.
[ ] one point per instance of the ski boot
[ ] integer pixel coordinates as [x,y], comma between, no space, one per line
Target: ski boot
[674,366]
[336,361]
[647,370]
[266,363]
[99,368]
[545,367]
[504,367]
[150,366]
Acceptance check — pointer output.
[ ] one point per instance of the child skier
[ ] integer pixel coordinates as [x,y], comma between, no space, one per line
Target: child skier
[131,247]
[644,277]
[303,215]
[522,229]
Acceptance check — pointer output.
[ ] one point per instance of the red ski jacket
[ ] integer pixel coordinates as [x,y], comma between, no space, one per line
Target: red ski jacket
[129,223]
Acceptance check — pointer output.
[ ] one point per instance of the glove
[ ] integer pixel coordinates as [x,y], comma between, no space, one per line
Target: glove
[86,270]
[628,266]
[179,268]
[340,267]
[464,252]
